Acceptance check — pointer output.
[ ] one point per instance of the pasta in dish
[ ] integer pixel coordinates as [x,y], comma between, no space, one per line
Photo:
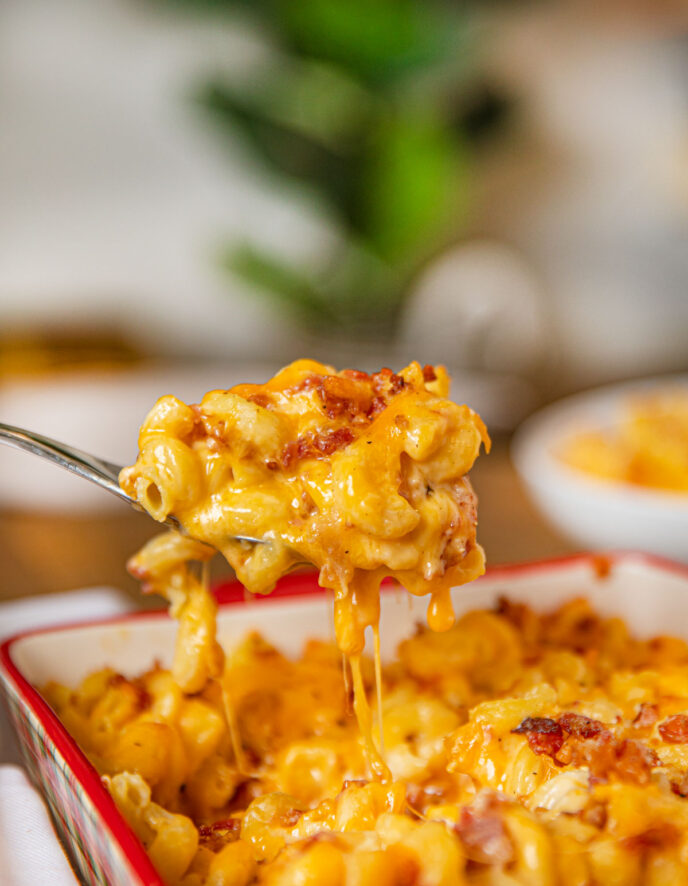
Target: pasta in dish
[649,447]
[543,750]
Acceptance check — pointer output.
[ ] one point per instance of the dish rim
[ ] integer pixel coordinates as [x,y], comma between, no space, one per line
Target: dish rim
[228,594]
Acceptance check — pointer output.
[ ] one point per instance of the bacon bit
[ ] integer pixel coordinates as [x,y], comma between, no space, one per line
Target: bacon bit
[597,753]
[545,736]
[225,825]
[215,836]
[308,383]
[604,755]
[339,395]
[271,465]
[344,396]
[314,445]
[259,399]
[581,741]
[378,405]
[387,382]
[674,730]
[484,837]
[580,726]
[429,373]
[635,761]
[647,716]
[659,837]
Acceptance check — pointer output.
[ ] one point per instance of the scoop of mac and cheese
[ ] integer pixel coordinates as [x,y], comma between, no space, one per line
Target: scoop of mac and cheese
[364,476]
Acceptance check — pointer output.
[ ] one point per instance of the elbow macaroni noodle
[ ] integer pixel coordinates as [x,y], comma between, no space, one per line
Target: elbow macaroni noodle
[518,749]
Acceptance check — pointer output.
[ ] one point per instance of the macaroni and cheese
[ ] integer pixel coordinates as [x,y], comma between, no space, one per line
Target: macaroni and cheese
[538,750]
[649,447]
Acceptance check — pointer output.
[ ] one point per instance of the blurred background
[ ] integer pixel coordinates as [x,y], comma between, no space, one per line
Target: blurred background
[195,192]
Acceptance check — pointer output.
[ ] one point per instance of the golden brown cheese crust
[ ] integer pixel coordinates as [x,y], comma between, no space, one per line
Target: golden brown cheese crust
[362,475]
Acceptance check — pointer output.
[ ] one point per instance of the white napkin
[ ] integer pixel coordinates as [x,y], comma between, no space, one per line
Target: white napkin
[30,852]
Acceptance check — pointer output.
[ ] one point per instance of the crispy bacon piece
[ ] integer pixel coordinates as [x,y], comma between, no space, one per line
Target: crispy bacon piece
[576,740]
[356,395]
[674,730]
[647,716]
[545,736]
[229,825]
[483,833]
[580,726]
[635,761]
[429,373]
[216,835]
[259,399]
[316,445]
[387,382]
[339,396]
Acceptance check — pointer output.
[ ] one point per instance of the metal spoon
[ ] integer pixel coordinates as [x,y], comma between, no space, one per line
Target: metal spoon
[103,473]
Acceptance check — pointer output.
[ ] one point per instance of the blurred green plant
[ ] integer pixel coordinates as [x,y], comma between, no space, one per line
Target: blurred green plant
[374,106]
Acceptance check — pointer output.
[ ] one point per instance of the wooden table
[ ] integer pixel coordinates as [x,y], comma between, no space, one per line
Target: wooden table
[41,554]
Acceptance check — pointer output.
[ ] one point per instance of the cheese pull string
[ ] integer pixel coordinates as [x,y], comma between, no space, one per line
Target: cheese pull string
[378,767]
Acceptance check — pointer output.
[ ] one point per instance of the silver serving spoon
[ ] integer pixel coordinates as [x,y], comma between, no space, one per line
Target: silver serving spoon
[103,473]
